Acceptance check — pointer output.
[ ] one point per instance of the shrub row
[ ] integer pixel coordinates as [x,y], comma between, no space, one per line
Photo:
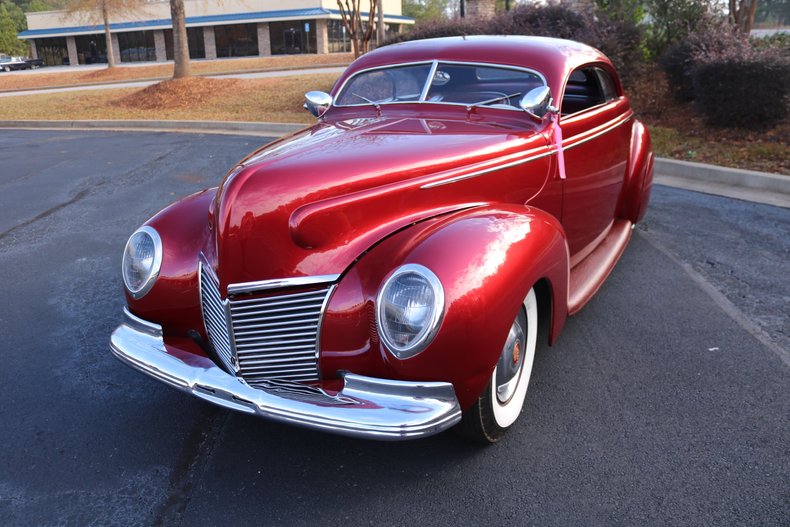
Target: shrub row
[749,91]
[710,38]
[732,82]
[619,40]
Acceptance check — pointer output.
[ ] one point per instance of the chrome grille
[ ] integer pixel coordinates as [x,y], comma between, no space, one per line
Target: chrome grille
[272,337]
[215,317]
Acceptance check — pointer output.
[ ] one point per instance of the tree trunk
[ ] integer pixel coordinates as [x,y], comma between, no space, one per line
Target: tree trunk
[749,22]
[380,23]
[368,33]
[108,37]
[180,42]
[742,14]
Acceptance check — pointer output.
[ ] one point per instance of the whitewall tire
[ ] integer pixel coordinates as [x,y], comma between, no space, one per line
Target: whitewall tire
[500,404]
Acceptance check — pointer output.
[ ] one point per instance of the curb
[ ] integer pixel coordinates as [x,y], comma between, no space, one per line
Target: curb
[748,185]
[730,176]
[88,85]
[218,127]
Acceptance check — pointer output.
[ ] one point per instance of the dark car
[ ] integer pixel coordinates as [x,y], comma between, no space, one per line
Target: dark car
[13,64]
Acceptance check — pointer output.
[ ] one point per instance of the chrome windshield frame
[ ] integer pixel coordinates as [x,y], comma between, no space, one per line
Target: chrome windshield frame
[429,79]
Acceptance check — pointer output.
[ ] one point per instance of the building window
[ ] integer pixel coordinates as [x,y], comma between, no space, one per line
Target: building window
[337,37]
[137,46]
[391,30]
[197,48]
[240,40]
[293,37]
[91,49]
[52,51]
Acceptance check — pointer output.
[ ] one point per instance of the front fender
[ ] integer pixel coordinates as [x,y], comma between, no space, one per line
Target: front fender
[487,258]
[174,300]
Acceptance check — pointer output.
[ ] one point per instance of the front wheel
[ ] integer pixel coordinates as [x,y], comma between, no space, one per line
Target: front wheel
[501,402]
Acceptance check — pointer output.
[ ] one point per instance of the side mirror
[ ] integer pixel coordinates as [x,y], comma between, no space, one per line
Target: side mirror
[317,102]
[537,102]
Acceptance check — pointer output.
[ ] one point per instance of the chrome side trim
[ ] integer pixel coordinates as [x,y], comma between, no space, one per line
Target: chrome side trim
[606,128]
[262,285]
[365,407]
[486,171]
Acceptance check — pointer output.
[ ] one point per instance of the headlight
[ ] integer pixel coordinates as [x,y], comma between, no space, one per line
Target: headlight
[142,259]
[409,309]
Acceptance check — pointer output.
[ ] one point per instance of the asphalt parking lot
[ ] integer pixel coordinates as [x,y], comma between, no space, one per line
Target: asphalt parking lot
[665,401]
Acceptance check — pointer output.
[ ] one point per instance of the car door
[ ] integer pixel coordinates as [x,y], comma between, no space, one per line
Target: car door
[595,122]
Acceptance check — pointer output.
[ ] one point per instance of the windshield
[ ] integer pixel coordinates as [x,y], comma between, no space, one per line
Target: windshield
[450,83]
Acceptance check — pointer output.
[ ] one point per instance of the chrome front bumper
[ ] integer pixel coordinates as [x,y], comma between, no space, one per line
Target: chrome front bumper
[365,407]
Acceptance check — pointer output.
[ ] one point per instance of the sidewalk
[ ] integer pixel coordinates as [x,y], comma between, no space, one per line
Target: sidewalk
[747,185]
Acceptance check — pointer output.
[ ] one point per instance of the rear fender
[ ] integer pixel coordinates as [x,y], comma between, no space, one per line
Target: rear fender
[487,259]
[633,200]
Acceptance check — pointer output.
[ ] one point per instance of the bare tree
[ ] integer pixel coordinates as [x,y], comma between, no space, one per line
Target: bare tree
[101,11]
[742,14]
[180,41]
[351,14]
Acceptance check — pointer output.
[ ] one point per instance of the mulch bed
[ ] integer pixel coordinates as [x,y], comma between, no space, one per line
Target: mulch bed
[179,93]
[654,105]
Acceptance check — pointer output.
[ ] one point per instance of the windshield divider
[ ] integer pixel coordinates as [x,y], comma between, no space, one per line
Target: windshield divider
[429,81]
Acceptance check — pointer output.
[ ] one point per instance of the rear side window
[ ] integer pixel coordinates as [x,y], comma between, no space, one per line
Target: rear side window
[607,84]
[587,87]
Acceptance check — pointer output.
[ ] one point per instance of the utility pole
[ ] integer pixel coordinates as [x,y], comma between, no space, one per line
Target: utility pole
[380,23]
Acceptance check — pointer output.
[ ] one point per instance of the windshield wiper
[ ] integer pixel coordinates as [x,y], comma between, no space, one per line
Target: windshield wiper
[374,103]
[489,101]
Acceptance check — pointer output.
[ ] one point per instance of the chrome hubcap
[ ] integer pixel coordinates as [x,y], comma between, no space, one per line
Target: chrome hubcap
[509,367]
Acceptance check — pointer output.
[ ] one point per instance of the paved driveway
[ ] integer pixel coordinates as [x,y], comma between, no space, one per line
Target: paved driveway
[665,401]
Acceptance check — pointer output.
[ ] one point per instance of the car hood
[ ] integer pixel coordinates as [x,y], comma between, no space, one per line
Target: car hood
[311,203]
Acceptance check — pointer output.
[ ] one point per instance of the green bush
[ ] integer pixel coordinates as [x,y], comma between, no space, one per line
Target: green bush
[779,41]
[672,21]
[750,90]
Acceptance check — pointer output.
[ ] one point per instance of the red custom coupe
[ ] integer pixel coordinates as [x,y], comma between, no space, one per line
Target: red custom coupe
[384,273]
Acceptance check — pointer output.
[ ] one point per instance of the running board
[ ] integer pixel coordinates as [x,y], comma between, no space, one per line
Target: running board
[588,275]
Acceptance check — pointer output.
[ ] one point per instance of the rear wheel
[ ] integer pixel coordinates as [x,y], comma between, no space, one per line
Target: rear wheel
[501,402]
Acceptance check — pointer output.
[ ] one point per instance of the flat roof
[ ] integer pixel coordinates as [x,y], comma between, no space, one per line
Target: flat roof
[210,20]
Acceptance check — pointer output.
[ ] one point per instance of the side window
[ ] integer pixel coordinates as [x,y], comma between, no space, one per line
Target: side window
[587,87]
[607,84]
